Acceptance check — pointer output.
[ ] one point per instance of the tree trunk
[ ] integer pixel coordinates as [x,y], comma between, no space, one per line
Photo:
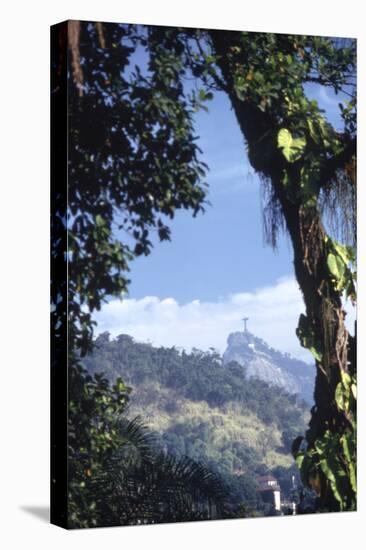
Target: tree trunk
[324,313]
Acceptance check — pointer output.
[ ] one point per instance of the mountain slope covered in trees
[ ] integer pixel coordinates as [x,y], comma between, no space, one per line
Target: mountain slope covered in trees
[198,407]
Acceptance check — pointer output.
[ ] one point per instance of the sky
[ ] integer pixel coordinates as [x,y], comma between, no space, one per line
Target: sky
[221,251]
[194,290]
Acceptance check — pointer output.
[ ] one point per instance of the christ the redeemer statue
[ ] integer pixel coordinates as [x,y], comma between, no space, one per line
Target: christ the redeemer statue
[245,319]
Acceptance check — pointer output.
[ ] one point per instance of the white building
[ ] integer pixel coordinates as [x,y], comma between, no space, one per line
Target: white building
[270,491]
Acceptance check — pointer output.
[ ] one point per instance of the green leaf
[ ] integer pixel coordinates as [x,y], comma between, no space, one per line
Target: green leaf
[354,390]
[205,96]
[316,353]
[299,460]
[331,475]
[292,148]
[352,476]
[336,266]
[345,252]
[307,338]
[346,379]
[312,130]
[120,386]
[325,128]
[341,398]
[99,221]
[348,446]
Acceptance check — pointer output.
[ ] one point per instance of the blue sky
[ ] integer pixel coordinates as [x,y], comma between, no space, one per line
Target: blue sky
[194,290]
[220,251]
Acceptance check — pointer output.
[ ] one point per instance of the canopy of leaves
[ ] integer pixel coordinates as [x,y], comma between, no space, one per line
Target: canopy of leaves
[162,489]
[117,472]
[133,161]
[270,80]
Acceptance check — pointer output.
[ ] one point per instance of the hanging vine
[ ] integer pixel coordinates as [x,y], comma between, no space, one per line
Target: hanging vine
[292,146]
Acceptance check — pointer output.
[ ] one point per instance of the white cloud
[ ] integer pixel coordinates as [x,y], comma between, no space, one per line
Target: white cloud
[231,178]
[273,313]
[234,171]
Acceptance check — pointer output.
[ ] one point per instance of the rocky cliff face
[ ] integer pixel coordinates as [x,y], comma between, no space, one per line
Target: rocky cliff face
[270,365]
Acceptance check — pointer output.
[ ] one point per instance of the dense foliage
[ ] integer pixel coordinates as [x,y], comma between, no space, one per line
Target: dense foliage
[160,489]
[94,422]
[118,473]
[133,162]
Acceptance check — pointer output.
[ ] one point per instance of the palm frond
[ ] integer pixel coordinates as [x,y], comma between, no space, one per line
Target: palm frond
[137,443]
[159,490]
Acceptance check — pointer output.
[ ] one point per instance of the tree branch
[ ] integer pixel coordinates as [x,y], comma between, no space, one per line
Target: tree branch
[337,162]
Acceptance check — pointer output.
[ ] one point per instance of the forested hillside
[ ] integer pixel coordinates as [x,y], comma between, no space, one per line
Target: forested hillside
[198,407]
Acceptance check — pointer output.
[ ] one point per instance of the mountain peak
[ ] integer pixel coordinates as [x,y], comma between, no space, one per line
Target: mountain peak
[240,336]
[268,364]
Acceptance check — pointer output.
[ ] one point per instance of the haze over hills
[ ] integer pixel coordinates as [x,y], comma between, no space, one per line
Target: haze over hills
[270,365]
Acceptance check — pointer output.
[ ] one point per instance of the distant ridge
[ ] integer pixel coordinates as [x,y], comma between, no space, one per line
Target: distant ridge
[197,406]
